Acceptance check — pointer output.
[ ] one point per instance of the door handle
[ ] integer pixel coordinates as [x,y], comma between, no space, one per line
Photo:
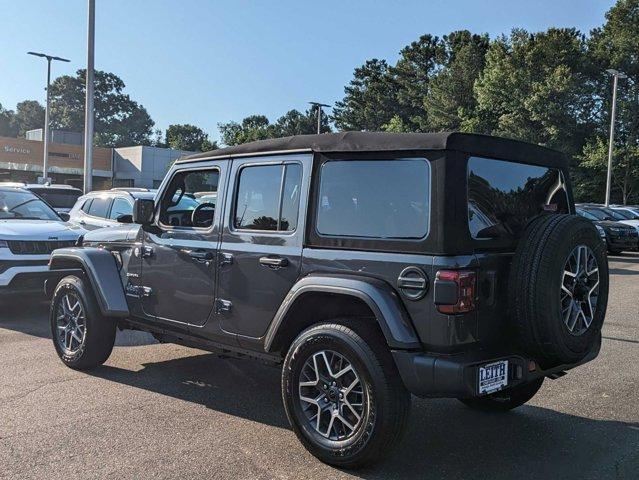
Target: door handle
[274,262]
[204,256]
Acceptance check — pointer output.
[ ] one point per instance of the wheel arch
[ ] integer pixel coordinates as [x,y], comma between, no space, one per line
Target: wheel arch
[100,268]
[322,297]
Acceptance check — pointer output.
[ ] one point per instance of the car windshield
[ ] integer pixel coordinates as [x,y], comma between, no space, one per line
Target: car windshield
[625,215]
[22,205]
[599,214]
[58,198]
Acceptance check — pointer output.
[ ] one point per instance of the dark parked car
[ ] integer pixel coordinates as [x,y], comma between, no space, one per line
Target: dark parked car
[369,265]
[620,237]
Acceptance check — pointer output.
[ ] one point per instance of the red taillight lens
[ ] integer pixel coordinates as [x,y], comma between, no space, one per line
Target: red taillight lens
[465,281]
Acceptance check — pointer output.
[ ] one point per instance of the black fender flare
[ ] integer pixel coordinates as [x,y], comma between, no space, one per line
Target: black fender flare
[380,297]
[101,269]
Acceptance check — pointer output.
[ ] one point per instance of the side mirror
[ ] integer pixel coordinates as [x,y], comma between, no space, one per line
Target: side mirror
[64,216]
[125,218]
[143,211]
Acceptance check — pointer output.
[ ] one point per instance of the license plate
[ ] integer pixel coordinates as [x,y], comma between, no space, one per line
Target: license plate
[493,377]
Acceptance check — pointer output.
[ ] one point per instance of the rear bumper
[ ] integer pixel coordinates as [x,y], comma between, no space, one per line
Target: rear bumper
[456,376]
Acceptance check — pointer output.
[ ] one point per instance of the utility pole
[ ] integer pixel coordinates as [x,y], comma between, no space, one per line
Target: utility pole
[45,161]
[617,75]
[88,105]
[319,114]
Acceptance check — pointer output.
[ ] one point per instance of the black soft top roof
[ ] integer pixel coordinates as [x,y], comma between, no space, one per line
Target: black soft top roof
[344,142]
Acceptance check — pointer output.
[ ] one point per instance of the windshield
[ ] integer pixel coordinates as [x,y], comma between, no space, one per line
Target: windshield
[599,214]
[624,215]
[58,198]
[20,205]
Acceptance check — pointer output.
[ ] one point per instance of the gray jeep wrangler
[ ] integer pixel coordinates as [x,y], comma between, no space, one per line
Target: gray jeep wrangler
[371,266]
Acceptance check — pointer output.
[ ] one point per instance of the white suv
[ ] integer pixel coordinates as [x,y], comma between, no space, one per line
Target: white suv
[29,231]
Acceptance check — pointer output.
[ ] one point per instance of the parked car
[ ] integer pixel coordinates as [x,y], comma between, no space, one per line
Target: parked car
[628,212]
[107,208]
[620,237]
[60,197]
[29,231]
[369,265]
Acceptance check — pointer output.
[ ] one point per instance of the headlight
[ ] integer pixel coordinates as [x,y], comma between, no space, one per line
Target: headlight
[615,229]
[4,244]
[601,231]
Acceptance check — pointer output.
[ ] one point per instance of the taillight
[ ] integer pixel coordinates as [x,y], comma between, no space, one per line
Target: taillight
[461,286]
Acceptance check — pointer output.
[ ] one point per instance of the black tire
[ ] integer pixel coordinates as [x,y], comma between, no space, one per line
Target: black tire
[99,331]
[536,294]
[504,400]
[387,400]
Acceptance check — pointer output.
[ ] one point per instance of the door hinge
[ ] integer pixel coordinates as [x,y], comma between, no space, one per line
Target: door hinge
[143,251]
[222,306]
[225,259]
[138,291]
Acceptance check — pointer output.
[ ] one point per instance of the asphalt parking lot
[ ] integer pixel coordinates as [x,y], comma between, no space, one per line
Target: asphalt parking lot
[165,411]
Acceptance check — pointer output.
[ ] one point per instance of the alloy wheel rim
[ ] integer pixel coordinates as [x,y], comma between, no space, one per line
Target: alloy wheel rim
[70,323]
[579,290]
[332,395]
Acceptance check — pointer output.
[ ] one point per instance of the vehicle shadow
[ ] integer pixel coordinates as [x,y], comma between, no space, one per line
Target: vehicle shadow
[444,439]
[30,315]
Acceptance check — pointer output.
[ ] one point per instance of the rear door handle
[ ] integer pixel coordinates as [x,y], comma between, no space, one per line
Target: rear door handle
[274,262]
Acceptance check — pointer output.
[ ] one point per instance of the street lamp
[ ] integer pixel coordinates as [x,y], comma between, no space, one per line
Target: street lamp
[45,162]
[319,114]
[616,75]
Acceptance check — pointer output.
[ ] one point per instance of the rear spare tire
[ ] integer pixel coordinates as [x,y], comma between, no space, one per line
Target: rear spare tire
[558,289]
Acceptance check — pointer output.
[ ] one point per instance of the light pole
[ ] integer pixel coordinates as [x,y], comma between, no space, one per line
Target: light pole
[319,114]
[88,104]
[616,75]
[45,162]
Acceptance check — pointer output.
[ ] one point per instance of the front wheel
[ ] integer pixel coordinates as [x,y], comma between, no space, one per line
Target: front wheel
[505,400]
[83,338]
[342,393]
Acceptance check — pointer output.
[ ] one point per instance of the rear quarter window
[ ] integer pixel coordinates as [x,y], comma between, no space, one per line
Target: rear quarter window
[504,196]
[378,199]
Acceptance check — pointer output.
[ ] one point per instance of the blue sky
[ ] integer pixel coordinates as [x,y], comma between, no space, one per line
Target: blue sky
[204,62]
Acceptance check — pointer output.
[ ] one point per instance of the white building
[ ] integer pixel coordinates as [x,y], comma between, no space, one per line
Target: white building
[143,166]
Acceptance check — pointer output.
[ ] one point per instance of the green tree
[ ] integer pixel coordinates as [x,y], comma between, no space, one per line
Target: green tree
[8,126]
[614,45]
[186,137]
[119,120]
[295,122]
[450,97]
[535,87]
[412,74]
[254,127]
[370,99]
[29,115]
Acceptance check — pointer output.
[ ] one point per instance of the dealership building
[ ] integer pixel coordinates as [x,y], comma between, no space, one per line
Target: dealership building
[137,166]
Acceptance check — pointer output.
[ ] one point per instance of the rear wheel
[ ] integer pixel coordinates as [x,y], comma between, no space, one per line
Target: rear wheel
[342,393]
[505,400]
[83,338]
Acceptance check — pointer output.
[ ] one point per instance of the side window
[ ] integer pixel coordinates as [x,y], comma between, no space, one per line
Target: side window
[268,197]
[190,199]
[100,207]
[86,205]
[504,196]
[120,207]
[374,198]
